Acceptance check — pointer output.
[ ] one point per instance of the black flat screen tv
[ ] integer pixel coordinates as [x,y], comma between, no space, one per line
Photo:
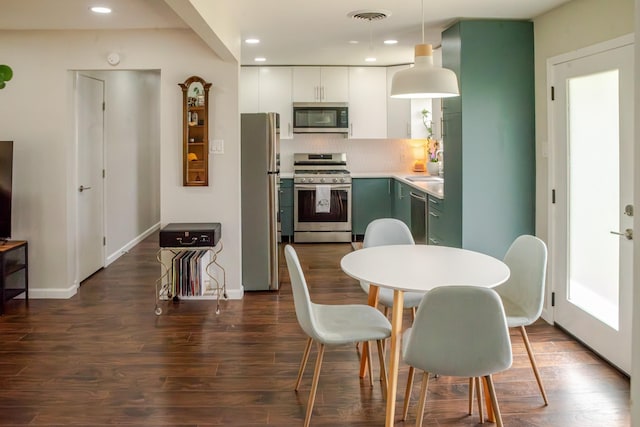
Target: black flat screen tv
[6,172]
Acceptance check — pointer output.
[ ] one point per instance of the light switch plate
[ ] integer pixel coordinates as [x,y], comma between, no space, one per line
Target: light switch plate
[217,146]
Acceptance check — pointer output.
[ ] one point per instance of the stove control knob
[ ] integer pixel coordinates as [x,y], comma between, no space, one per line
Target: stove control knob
[310,180]
[342,180]
[303,180]
[321,179]
[336,179]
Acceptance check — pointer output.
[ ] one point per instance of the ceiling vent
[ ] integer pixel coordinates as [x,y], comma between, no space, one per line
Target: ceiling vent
[369,15]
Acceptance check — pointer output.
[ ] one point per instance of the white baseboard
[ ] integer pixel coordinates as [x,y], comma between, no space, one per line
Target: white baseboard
[52,293]
[235,293]
[117,254]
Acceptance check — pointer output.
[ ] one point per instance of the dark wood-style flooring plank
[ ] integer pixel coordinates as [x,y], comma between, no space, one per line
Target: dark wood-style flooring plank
[103,358]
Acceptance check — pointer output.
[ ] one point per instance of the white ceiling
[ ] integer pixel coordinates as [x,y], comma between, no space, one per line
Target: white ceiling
[301,32]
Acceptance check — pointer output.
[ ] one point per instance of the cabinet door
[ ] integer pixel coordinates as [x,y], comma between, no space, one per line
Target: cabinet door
[306,84]
[367,102]
[402,203]
[249,89]
[398,110]
[371,200]
[286,207]
[334,84]
[275,96]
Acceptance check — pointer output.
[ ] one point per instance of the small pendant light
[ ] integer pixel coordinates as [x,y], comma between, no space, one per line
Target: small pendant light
[424,80]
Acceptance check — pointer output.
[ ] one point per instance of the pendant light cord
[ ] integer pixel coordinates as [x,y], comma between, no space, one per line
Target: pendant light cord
[422,21]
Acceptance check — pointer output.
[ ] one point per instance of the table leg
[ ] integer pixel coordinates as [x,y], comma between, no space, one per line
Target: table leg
[396,329]
[491,417]
[374,291]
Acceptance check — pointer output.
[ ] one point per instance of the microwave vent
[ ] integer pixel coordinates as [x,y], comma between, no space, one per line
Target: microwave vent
[369,14]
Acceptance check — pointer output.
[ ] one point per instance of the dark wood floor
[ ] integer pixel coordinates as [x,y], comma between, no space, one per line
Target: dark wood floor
[104,358]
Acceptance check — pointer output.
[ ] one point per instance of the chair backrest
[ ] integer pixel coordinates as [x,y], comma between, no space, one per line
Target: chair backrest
[301,298]
[387,231]
[527,260]
[459,331]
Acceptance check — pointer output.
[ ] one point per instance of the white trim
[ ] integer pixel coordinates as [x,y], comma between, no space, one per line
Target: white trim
[618,42]
[53,293]
[123,250]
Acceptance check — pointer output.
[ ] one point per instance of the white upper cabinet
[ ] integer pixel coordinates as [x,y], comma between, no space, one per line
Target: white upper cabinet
[320,84]
[367,102]
[249,89]
[268,89]
[275,95]
[398,110]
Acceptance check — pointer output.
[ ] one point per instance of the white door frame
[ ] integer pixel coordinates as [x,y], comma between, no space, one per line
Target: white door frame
[77,182]
[552,287]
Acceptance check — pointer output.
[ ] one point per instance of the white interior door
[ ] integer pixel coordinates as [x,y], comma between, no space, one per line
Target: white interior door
[592,136]
[90,226]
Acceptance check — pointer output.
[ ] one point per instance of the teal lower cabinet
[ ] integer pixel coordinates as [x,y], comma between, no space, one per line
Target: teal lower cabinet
[371,199]
[401,207]
[286,209]
[440,231]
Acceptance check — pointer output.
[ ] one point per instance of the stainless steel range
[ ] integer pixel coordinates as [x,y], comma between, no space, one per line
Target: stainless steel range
[322,198]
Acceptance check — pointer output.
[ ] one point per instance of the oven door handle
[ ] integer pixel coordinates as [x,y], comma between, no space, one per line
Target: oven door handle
[313,186]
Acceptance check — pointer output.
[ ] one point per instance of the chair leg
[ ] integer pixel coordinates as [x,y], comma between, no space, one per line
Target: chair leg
[314,385]
[407,393]
[480,398]
[303,363]
[532,358]
[383,369]
[423,399]
[370,364]
[494,400]
[472,385]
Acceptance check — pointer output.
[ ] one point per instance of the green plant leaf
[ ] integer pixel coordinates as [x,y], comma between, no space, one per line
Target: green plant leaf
[6,73]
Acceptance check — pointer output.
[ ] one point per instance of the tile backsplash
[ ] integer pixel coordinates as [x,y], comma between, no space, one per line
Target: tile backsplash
[363,155]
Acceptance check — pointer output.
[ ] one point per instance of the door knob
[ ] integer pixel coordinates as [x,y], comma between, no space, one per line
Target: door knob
[628,233]
[82,188]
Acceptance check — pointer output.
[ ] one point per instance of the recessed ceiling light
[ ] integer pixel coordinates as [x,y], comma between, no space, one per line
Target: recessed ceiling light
[100,9]
[391,42]
[252,41]
[370,59]
[353,42]
[260,59]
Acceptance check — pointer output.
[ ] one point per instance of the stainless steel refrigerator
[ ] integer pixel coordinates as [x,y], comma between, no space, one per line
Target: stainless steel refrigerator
[260,175]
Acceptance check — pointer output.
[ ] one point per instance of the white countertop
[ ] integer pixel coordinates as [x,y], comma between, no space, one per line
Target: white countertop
[435,189]
[432,188]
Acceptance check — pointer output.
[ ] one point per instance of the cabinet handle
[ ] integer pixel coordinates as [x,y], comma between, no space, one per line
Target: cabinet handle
[82,188]
[351,129]
[321,93]
[435,215]
[409,129]
[442,127]
[316,93]
[417,196]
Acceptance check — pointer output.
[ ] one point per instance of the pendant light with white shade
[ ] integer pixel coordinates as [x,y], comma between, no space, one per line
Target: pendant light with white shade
[424,80]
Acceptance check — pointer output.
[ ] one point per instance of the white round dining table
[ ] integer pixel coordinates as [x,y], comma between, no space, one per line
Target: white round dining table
[416,268]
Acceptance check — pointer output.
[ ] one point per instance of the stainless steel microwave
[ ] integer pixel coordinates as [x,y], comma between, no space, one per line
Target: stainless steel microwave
[320,117]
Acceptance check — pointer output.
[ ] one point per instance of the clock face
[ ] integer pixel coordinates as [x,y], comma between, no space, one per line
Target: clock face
[113,59]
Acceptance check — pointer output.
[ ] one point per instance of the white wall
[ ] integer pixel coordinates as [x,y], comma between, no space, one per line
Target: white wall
[37,113]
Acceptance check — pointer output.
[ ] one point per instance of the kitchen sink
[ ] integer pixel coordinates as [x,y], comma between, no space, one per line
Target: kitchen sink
[433,179]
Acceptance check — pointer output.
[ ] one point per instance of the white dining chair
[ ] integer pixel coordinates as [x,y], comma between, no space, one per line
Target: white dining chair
[523,293]
[383,232]
[332,325]
[458,331]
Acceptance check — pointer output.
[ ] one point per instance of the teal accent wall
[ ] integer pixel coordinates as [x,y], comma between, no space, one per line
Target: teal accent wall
[489,136]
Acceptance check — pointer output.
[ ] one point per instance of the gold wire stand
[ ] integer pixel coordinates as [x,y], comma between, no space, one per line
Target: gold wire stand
[166,289]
